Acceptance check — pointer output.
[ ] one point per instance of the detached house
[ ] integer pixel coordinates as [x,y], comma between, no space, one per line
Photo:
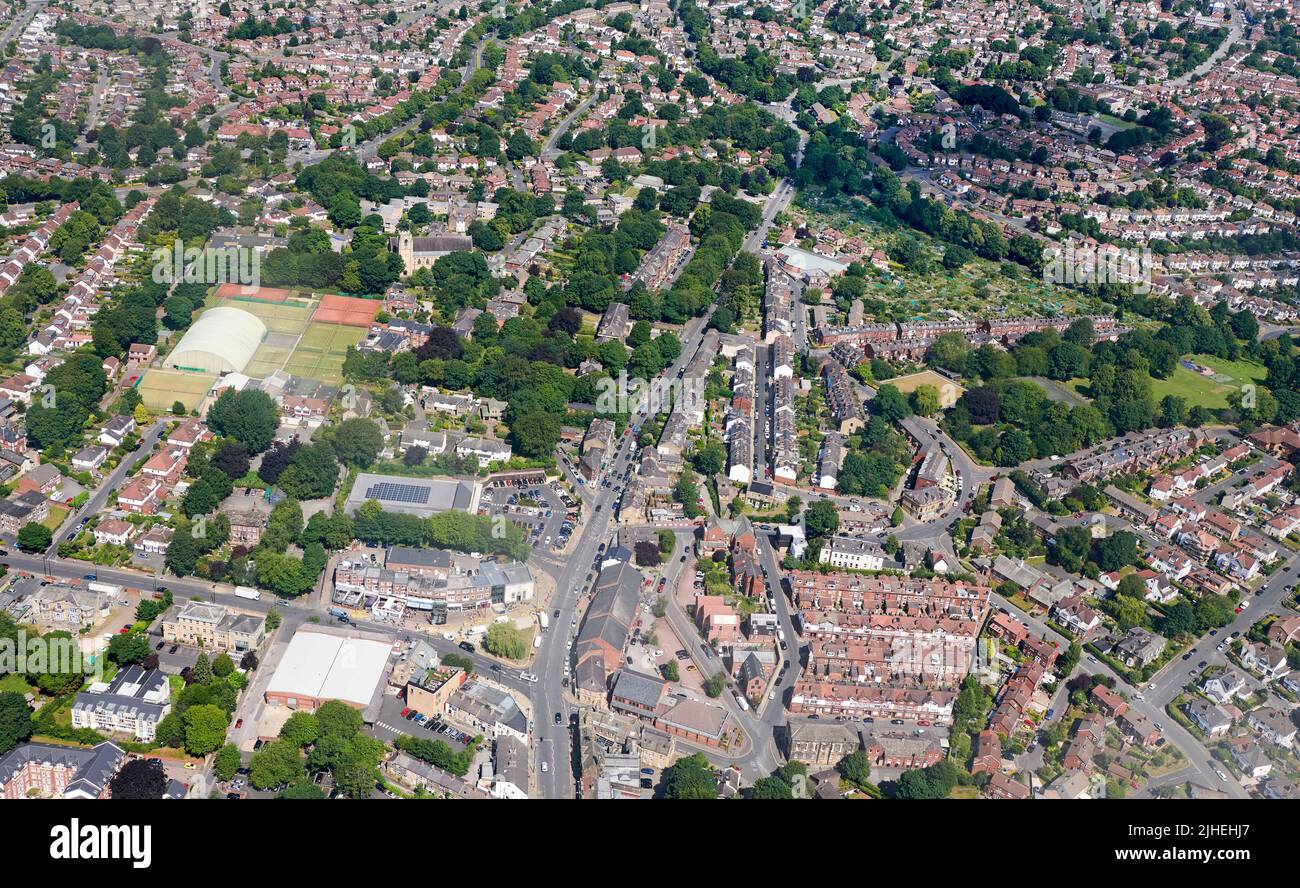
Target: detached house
[1224,687]
[1209,718]
[113,532]
[116,430]
[1139,648]
[89,458]
[1273,725]
[1266,660]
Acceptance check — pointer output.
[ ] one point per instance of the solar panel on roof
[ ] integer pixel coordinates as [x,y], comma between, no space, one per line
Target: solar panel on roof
[398,493]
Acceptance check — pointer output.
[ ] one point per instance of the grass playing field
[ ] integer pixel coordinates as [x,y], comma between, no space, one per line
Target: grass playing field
[160,388]
[1206,391]
[281,317]
[320,353]
[949,391]
[294,343]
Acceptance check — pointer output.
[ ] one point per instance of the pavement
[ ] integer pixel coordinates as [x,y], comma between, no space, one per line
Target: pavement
[554,743]
[1200,764]
[108,485]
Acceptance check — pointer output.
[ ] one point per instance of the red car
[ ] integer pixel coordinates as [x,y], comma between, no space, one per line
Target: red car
[239,723]
[124,630]
[406,711]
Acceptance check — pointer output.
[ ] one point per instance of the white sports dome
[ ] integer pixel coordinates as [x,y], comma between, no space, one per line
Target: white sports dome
[222,340]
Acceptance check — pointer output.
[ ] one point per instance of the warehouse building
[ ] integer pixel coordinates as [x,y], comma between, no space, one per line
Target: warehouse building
[323,663]
[414,496]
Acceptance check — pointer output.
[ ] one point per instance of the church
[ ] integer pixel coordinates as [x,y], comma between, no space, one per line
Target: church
[422,252]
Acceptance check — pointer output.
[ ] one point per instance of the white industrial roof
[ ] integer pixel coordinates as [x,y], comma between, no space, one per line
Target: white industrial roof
[331,667]
[221,340]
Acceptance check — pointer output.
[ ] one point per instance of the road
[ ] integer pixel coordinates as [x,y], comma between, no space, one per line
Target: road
[554,742]
[777,201]
[1200,763]
[549,151]
[109,485]
[971,476]
[1234,34]
[22,20]
[758,757]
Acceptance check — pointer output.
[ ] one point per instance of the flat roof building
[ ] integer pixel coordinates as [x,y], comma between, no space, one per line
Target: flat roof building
[323,664]
[414,496]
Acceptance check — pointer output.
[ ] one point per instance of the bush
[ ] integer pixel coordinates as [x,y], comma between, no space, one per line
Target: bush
[505,640]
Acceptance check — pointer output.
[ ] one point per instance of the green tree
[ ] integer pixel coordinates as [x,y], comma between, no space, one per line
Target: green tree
[505,640]
[131,647]
[356,442]
[205,728]
[201,672]
[338,720]
[821,519]
[226,762]
[771,788]
[15,720]
[925,400]
[691,778]
[248,416]
[33,537]
[277,763]
[855,768]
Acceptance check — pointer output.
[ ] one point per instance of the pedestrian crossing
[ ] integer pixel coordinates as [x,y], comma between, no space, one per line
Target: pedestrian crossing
[387,727]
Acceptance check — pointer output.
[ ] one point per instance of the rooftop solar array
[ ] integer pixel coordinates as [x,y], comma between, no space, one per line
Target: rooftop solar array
[398,493]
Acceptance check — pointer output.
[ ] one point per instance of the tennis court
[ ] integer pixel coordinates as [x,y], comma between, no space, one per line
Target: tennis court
[159,388]
[346,310]
[321,351]
[240,291]
[279,317]
[271,355]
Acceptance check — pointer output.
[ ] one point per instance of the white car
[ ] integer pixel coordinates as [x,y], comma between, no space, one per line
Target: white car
[528,676]
[545,767]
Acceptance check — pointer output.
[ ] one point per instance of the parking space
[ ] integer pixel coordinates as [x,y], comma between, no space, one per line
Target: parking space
[395,718]
[543,511]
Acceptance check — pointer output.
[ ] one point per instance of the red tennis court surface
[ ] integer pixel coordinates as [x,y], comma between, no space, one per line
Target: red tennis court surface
[346,310]
[240,291]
